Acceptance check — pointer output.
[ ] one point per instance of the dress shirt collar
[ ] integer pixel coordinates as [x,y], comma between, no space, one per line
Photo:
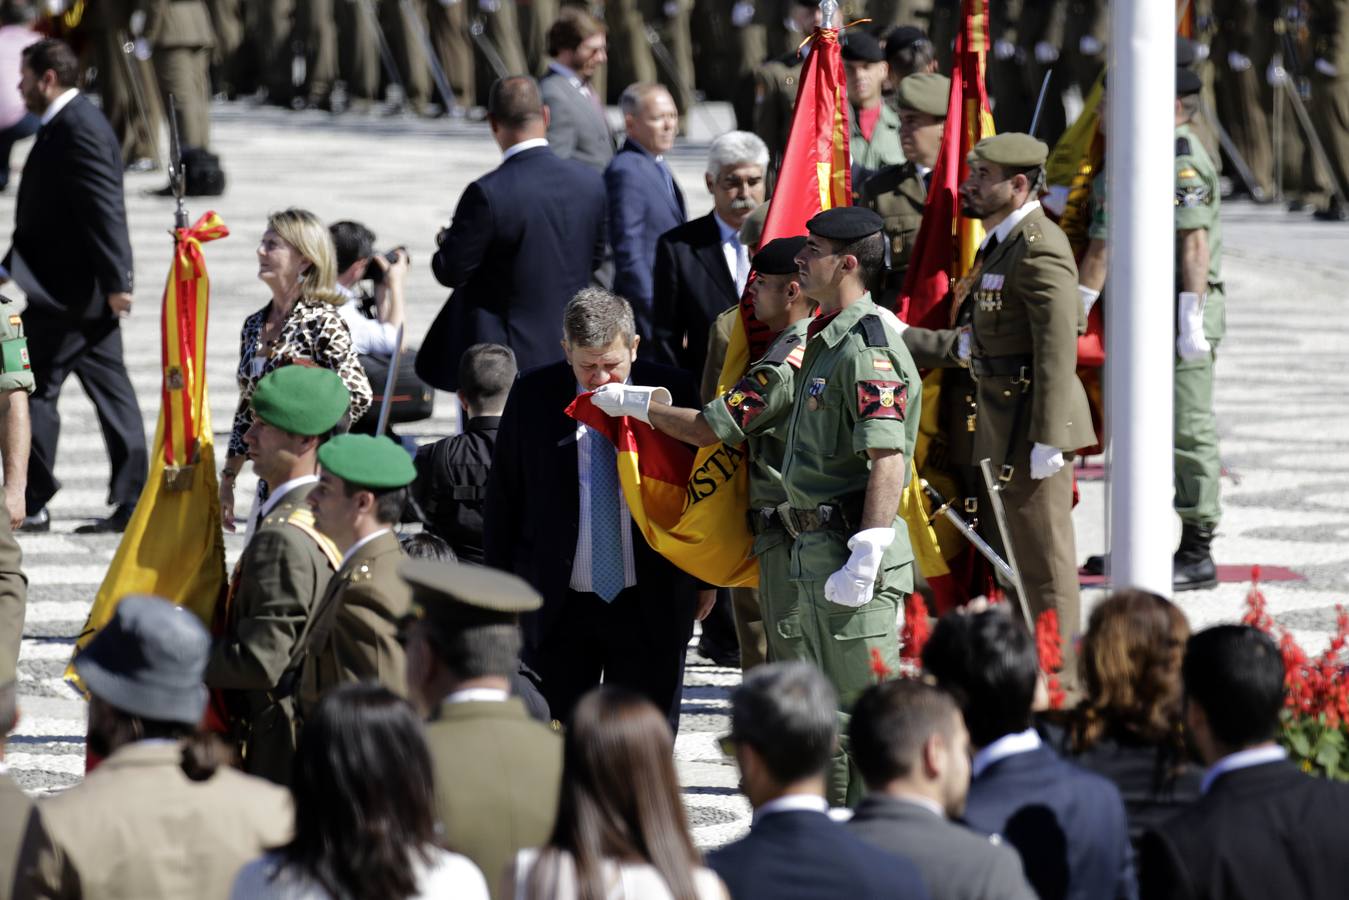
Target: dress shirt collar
[567,73]
[59,104]
[1006,225]
[284,488]
[478,695]
[926,803]
[792,803]
[728,234]
[1003,747]
[351,551]
[521,147]
[924,171]
[1242,759]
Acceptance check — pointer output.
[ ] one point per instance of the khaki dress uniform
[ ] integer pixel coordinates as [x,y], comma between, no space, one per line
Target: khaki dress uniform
[1237,90]
[282,573]
[899,195]
[15,809]
[179,31]
[109,24]
[15,375]
[858,390]
[1330,93]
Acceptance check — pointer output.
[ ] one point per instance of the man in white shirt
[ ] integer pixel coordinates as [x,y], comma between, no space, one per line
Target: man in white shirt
[356,261]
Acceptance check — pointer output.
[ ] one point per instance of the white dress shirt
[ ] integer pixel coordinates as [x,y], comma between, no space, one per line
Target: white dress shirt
[1242,759]
[735,252]
[280,491]
[58,104]
[523,146]
[479,695]
[793,803]
[351,551]
[1003,747]
[1006,225]
[581,562]
[368,336]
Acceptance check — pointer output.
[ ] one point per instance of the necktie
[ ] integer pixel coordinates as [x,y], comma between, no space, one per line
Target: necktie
[606,533]
[741,267]
[988,248]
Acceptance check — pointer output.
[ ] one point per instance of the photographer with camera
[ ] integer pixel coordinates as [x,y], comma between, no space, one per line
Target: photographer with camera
[374,318]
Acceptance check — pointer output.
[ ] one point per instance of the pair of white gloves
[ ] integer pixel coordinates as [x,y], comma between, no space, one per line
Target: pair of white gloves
[1190,342]
[1044,459]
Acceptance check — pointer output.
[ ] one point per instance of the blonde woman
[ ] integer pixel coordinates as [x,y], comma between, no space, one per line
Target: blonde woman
[300,325]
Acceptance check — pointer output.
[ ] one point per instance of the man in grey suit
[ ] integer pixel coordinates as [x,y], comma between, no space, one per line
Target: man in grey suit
[577,128]
[909,740]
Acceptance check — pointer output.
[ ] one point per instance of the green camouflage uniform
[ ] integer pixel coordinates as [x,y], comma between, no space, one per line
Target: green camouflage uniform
[15,375]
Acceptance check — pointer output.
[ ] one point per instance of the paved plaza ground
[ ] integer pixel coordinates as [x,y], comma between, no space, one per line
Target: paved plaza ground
[1282,401]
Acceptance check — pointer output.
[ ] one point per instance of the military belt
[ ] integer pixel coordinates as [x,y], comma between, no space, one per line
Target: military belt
[825,517]
[764,519]
[1019,364]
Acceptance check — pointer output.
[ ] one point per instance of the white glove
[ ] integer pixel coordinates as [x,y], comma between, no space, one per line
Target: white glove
[671,8]
[1201,52]
[1238,62]
[1326,68]
[1191,343]
[1275,74]
[1045,53]
[489,6]
[853,585]
[963,345]
[1089,46]
[1088,298]
[1045,461]
[1004,50]
[629,399]
[742,14]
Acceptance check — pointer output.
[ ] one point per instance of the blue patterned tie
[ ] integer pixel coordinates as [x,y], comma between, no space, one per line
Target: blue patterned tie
[606,527]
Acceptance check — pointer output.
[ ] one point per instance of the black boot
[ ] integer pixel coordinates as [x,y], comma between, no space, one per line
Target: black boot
[1192,568]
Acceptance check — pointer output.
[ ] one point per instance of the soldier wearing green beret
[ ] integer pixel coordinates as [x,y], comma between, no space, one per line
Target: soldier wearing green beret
[497,771]
[16,383]
[850,436]
[283,570]
[754,412]
[1019,317]
[353,632]
[899,193]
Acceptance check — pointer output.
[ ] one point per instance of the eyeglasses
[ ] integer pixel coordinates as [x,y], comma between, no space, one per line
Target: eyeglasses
[727,744]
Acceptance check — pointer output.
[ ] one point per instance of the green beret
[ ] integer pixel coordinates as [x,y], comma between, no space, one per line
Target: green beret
[845,223]
[779,257]
[1187,82]
[860,46]
[1012,149]
[460,595]
[926,92]
[371,462]
[306,400]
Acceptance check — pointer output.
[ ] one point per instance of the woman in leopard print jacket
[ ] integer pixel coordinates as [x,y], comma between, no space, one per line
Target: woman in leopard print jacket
[300,325]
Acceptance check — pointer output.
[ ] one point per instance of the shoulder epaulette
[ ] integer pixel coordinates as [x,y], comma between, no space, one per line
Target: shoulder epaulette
[1033,232]
[303,519]
[1182,146]
[873,329]
[783,348]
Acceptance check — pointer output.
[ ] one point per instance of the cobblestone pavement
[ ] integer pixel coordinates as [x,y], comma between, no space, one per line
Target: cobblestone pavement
[1281,400]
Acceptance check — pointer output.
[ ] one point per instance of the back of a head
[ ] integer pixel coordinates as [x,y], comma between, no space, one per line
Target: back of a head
[788,713]
[17,12]
[594,318]
[51,54]
[311,239]
[572,27]
[425,545]
[890,724]
[352,242]
[514,102]
[1235,674]
[486,373]
[988,662]
[362,785]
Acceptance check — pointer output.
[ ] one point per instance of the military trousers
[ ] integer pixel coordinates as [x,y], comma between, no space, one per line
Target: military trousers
[1330,115]
[1242,113]
[406,47]
[844,642]
[316,23]
[13,597]
[1197,466]
[749,629]
[137,128]
[358,49]
[779,603]
[185,74]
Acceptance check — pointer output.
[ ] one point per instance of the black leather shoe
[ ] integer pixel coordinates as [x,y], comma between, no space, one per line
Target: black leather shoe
[37,523]
[1332,213]
[1096,565]
[726,657]
[113,524]
[1192,568]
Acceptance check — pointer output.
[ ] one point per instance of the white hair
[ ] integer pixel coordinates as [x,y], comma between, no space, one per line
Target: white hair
[736,148]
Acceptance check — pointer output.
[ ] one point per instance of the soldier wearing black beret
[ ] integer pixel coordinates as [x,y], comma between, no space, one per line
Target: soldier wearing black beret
[873,124]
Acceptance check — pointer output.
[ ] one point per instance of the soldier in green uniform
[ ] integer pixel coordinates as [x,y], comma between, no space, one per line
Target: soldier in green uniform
[16,383]
[899,193]
[874,124]
[753,412]
[1200,324]
[353,630]
[283,570]
[850,437]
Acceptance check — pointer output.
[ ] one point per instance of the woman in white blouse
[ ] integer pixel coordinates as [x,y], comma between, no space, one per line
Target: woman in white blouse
[621,833]
[364,817]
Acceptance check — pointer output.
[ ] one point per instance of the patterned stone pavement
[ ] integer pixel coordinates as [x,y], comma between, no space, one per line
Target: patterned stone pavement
[1281,400]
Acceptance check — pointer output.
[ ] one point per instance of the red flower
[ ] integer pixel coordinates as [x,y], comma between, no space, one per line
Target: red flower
[916,628]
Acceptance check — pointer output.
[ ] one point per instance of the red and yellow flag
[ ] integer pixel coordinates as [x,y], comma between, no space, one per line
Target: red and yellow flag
[173,547]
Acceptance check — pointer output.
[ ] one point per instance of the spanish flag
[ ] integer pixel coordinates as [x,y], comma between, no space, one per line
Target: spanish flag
[173,547]
[943,253]
[692,507]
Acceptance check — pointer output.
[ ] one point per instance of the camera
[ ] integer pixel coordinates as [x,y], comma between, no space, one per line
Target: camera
[373,270]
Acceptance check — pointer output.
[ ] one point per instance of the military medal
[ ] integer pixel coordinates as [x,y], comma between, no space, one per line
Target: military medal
[814,393]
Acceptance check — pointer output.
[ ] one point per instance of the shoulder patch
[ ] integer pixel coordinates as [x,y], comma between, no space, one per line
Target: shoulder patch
[873,329]
[1182,146]
[882,400]
[745,401]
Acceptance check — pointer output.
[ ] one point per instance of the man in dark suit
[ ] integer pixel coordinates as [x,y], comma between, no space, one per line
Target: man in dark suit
[1261,827]
[911,745]
[524,239]
[783,732]
[644,200]
[1068,824]
[555,516]
[71,254]
[577,127]
[701,266]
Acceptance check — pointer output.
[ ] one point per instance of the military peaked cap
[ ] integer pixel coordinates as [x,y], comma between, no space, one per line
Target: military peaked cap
[862,47]
[1012,149]
[459,595]
[779,257]
[845,223]
[304,400]
[372,462]
[926,92]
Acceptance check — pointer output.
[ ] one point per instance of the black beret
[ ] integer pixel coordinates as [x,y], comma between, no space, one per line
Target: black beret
[845,223]
[1187,82]
[1186,52]
[901,37]
[812,3]
[779,257]
[862,47]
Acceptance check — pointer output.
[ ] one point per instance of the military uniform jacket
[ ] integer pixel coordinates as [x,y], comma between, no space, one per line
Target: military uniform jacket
[139,827]
[898,195]
[775,87]
[177,23]
[1330,27]
[354,630]
[1198,205]
[858,390]
[497,774]
[883,148]
[279,578]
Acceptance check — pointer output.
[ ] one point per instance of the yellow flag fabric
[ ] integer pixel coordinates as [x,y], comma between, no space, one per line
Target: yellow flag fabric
[173,546]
